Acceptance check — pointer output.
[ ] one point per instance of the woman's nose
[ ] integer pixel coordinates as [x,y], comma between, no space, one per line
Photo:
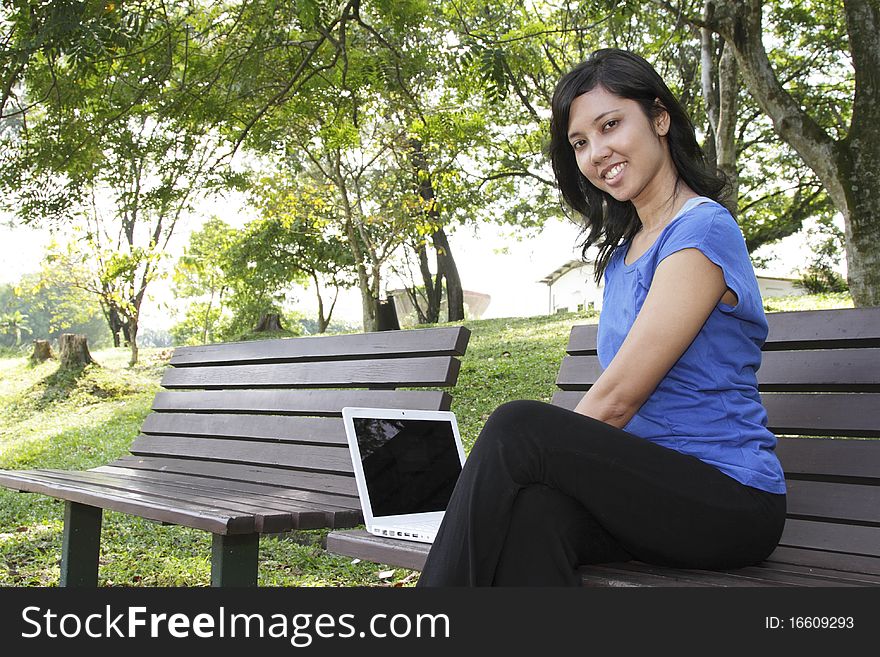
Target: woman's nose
[600,153]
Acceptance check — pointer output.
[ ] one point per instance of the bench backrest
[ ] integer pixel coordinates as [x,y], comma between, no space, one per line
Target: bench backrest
[269,412]
[820,383]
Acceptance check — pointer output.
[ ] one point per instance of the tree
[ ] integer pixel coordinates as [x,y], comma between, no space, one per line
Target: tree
[516,54]
[61,33]
[54,305]
[843,151]
[100,131]
[15,323]
[152,172]
[299,236]
[820,274]
[199,274]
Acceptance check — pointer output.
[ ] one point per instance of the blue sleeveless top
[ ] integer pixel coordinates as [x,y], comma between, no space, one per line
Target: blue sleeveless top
[708,404]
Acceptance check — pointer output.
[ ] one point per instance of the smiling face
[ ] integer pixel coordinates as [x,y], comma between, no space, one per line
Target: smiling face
[619,149]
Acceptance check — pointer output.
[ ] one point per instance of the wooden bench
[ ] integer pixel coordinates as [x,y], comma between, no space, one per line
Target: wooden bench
[819,381]
[247,439]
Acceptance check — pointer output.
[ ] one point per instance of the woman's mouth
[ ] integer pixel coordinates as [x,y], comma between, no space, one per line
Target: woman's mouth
[612,174]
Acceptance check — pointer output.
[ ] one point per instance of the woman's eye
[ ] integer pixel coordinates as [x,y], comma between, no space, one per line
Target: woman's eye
[577,145]
[611,123]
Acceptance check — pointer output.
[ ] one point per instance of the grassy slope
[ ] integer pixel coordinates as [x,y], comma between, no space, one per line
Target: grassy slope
[52,422]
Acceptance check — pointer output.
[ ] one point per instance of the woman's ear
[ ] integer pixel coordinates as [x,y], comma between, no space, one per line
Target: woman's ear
[661,121]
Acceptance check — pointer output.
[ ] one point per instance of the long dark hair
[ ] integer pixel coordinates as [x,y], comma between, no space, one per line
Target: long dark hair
[607,221]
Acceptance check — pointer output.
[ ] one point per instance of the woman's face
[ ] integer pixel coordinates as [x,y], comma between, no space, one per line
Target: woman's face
[616,147]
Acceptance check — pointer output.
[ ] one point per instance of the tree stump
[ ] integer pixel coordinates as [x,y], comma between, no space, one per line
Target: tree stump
[269,322]
[42,351]
[74,350]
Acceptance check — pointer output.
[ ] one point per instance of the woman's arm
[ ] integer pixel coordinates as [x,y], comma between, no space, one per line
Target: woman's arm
[685,289]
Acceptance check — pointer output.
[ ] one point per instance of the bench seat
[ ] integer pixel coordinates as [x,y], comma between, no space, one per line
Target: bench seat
[820,383]
[247,439]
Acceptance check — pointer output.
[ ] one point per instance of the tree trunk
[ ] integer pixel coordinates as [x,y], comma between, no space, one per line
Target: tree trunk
[132,325]
[446,268]
[42,351]
[269,322]
[446,264]
[849,168]
[720,82]
[116,326]
[433,290]
[74,351]
[725,133]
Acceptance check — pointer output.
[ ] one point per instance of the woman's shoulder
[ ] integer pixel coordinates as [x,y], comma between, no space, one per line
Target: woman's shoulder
[703,219]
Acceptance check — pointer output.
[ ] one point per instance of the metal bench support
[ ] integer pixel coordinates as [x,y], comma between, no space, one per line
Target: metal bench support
[234,559]
[81,545]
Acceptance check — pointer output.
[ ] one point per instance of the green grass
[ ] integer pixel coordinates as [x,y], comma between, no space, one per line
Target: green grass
[49,420]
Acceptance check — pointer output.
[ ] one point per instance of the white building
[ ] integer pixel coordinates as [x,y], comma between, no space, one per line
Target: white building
[572,287]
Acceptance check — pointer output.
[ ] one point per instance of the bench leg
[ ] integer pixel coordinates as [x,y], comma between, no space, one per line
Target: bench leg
[234,559]
[81,545]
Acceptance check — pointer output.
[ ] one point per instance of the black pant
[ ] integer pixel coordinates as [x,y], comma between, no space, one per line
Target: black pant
[545,489]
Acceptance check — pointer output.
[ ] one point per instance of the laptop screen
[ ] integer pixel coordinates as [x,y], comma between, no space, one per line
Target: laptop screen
[410,465]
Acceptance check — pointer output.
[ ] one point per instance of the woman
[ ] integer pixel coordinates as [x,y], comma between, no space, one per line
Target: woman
[667,458]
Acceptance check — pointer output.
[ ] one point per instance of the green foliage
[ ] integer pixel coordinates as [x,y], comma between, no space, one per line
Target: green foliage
[13,324]
[199,325]
[199,276]
[199,270]
[820,274]
[47,304]
[132,100]
[296,238]
[821,301]
[239,332]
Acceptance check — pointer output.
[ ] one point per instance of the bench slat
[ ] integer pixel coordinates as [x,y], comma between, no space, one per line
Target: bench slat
[826,457]
[649,575]
[825,414]
[610,576]
[834,537]
[824,329]
[268,518]
[298,402]
[306,481]
[855,576]
[324,430]
[286,496]
[834,501]
[369,547]
[796,371]
[336,511]
[358,543]
[802,329]
[317,458]
[828,414]
[197,517]
[398,372]
[850,564]
[412,342]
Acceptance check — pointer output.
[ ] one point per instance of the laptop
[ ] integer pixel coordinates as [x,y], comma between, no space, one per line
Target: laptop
[406,464]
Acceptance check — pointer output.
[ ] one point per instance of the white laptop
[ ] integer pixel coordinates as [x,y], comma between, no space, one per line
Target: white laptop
[406,463]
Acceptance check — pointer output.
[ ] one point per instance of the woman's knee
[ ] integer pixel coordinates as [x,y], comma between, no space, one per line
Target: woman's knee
[518,417]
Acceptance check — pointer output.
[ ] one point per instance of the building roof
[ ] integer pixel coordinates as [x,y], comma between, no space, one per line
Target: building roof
[559,272]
